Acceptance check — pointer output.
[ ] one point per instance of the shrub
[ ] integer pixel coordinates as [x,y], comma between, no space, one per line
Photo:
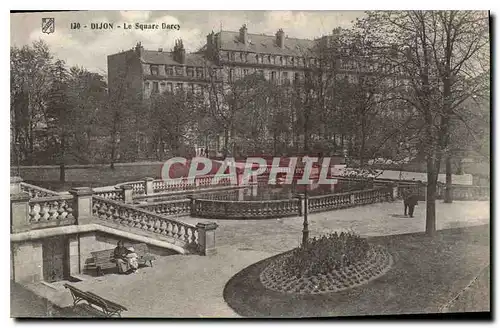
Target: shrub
[325,254]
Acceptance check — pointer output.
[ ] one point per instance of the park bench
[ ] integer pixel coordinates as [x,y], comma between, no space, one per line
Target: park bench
[106,307]
[103,260]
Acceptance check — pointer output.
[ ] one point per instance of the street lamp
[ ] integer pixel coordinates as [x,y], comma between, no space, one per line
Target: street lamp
[305,230]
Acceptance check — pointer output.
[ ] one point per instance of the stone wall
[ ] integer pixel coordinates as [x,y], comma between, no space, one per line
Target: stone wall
[27,260]
[92,175]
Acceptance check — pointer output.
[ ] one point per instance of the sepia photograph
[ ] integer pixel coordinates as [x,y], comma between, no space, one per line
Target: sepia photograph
[250,164]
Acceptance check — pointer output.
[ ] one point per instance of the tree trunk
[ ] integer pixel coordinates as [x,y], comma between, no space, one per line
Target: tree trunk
[430,213]
[62,168]
[226,142]
[363,142]
[448,192]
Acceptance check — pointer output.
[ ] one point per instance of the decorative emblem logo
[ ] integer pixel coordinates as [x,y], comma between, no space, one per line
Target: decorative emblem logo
[48,25]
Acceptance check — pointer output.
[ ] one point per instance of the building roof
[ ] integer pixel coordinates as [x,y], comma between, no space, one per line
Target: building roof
[167,58]
[259,43]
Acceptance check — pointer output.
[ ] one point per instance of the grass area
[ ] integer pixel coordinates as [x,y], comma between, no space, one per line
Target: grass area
[427,273]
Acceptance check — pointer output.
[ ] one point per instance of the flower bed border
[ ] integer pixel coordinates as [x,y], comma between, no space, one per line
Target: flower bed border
[362,273]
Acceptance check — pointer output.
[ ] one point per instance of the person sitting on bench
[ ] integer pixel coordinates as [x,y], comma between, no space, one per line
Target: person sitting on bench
[132,259]
[120,255]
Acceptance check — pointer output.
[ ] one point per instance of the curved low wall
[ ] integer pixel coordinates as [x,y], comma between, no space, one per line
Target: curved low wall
[254,210]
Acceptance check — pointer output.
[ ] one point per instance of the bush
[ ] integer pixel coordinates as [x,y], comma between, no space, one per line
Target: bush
[325,254]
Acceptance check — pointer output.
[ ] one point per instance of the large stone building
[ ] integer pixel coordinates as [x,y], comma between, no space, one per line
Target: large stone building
[226,56]
[236,54]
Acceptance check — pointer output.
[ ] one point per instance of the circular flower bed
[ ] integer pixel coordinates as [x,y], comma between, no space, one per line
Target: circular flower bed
[327,271]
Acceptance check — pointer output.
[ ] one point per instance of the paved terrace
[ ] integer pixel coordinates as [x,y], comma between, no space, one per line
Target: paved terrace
[192,286]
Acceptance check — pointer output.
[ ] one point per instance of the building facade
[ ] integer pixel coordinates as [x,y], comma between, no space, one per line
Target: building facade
[228,56]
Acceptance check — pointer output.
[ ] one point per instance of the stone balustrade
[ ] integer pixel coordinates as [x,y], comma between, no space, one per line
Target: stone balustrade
[116,194]
[131,216]
[232,209]
[37,192]
[171,207]
[184,184]
[219,209]
[329,202]
[150,186]
[42,212]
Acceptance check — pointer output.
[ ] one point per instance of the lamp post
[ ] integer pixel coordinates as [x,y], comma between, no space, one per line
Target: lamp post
[305,230]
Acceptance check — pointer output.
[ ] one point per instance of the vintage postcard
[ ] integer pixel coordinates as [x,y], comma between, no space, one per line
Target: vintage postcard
[250,164]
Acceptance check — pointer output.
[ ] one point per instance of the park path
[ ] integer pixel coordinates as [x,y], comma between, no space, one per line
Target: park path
[192,286]
[278,235]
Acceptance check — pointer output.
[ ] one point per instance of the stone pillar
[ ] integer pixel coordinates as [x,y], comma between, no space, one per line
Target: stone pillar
[82,204]
[353,199]
[74,254]
[19,212]
[241,194]
[206,237]
[15,185]
[127,194]
[148,186]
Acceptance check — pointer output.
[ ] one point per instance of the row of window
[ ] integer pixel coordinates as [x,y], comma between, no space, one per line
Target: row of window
[246,57]
[273,75]
[189,71]
[169,87]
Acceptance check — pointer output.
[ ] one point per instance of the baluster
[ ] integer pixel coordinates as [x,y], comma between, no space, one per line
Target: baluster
[44,212]
[34,213]
[61,212]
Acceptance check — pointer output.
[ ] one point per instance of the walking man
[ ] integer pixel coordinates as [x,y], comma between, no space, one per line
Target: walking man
[410,201]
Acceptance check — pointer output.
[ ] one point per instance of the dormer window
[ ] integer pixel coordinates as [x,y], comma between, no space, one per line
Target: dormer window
[190,72]
[170,70]
[179,70]
[154,70]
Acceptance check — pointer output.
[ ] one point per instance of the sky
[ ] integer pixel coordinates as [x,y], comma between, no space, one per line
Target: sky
[90,48]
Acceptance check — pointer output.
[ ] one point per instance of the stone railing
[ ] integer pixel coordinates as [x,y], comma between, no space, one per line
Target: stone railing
[231,209]
[150,186]
[45,212]
[189,236]
[349,199]
[37,192]
[329,202]
[184,184]
[170,207]
[116,194]
[219,209]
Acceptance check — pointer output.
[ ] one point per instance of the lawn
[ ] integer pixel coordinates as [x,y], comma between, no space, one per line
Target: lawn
[427,274]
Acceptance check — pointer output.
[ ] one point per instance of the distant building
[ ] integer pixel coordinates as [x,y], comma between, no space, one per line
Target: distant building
[231,55]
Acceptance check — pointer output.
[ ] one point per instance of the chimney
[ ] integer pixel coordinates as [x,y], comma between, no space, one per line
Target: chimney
[179,52]
[217,41]
[244,34]
[138,48]
[280,38]
[210,40]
